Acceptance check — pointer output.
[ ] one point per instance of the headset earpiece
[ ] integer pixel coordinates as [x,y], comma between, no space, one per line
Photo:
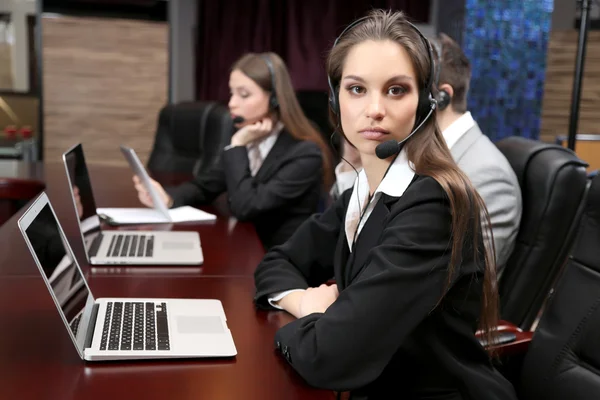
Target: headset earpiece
[444,99]
[334,100]
[273,102]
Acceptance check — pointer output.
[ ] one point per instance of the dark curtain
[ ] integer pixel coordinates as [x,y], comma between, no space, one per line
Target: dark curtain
[300,31]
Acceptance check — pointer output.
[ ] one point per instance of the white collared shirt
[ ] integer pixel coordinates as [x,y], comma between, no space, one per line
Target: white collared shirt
[343,179]
[458,128]
[394,183]
[264,146]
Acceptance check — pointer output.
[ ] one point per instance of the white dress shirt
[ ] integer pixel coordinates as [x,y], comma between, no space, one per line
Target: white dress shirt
[457,129]
[394,183]
[343,179]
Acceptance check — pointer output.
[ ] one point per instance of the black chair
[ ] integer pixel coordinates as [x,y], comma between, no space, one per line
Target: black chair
[563,361]
[190,137]
[554,184]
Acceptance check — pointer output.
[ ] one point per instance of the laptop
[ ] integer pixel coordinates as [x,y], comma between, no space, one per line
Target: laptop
[120,328]
[123,247]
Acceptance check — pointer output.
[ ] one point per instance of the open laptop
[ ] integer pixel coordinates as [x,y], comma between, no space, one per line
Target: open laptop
[123,247]
[119,328]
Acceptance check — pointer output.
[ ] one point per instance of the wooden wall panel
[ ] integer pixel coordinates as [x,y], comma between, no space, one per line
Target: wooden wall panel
[104,82]
[5,67]
[558,87]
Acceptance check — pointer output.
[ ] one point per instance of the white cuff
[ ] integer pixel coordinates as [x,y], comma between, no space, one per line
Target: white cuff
[275,297]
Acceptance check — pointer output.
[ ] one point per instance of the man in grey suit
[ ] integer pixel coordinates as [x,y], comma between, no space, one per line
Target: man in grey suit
[474,152]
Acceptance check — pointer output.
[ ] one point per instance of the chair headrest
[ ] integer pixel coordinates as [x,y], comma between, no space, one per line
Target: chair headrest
[520,151]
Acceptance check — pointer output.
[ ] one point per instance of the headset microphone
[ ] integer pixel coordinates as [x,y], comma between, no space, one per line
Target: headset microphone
[238,120]
[393,147]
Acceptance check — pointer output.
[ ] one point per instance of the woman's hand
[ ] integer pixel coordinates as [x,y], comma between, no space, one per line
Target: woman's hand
[144,196]
[252,133]
[317,300]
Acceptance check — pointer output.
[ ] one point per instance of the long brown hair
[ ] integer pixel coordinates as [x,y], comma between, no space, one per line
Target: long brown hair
[428,151]
[289,111]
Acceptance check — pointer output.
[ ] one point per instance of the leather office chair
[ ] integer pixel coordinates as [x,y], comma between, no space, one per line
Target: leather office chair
[563,361]
[190,137]
[554,184]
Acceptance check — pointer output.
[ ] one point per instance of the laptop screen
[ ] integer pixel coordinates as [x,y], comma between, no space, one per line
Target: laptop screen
[81,192]
[61,271]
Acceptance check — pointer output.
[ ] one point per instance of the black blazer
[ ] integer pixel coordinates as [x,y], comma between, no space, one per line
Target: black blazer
[384,332]
[282,195]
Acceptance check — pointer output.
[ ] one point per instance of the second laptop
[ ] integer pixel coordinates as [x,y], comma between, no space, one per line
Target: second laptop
[122,247]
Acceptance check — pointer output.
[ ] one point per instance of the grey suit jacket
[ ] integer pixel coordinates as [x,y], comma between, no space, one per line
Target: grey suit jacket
[497,184]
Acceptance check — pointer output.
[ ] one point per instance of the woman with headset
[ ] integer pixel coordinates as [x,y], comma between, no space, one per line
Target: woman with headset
[414,273]
[276,166]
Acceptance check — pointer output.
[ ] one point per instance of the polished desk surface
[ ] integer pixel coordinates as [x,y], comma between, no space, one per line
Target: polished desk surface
[39,361]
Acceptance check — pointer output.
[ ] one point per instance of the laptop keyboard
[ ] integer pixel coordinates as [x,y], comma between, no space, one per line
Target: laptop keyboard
[131,246]
[135,326]
[75,324]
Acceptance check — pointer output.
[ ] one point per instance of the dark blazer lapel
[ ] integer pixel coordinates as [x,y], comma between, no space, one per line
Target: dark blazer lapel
[342,252]
[369,235]
[272,162]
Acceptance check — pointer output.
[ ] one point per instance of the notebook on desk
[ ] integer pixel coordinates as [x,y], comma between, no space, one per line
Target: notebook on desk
[120,328]
[123,247]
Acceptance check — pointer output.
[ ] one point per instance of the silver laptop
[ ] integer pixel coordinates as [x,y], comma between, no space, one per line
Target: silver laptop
[120,328]
[122,247]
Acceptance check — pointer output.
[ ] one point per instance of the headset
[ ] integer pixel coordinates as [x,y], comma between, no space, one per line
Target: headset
[444,99]
[273,102]
[427,103]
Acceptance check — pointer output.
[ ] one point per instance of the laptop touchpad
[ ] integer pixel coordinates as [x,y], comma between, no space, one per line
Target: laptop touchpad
[195,325]
[166,245]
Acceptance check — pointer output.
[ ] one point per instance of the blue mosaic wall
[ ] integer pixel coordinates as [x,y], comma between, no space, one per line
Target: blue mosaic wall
[506,42]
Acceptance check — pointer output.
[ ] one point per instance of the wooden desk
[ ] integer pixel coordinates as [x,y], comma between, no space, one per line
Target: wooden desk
[19,183]
[39,361]
[227,251]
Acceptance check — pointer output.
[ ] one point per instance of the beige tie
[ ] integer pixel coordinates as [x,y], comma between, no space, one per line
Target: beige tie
[255,158]
[353,219]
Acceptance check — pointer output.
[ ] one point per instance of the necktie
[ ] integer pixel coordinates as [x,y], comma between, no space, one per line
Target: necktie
[255,159]
[353,219]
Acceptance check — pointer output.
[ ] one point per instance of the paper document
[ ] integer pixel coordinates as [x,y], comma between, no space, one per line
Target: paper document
[123,216]
[190,214]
